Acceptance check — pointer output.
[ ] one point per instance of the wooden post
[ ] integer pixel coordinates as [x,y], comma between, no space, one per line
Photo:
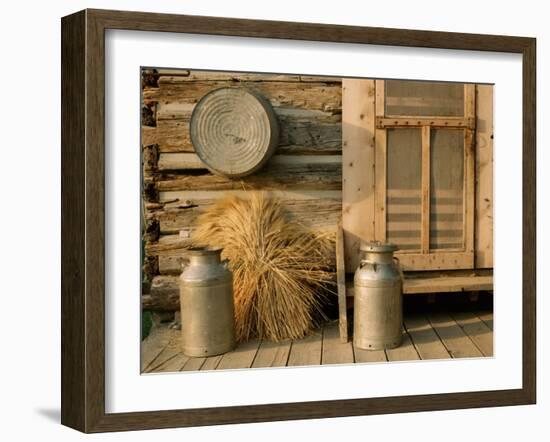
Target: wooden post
[357,166]
[380,167]
[341,281]
[484,177]
[425,216]
[469,169]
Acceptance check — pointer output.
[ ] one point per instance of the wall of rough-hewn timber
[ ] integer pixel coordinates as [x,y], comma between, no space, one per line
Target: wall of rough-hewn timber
[306,170]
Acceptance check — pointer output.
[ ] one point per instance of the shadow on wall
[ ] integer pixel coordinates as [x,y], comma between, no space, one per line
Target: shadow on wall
[51,414]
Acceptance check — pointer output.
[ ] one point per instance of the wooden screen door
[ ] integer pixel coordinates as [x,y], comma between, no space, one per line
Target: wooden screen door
[424,172]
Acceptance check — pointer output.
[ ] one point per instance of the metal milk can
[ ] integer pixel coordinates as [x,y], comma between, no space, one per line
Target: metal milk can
[206,303]
[378,305]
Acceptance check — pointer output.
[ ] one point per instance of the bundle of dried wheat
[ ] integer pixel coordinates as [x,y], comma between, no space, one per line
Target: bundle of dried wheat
[280,268]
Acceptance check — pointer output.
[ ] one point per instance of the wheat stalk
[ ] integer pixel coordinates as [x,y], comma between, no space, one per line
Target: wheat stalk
[281,273]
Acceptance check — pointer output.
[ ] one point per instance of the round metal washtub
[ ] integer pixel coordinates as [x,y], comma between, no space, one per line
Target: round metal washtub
[234,131]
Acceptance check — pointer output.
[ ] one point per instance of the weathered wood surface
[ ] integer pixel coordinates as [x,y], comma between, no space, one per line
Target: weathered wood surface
[186,75]
[425,339]
[241,357]
[165,293]
[362,355]
[405,352]
[307,351]
[211,363]
[341,283]
[319,210]
[302,131]
[335,351]
[486,317]
[167,245]
[448,284]
[281,172]
[380,165]
[358,211]
[458,344]
[324,96]
[439,284]
[484,177]
[410,121]
[272,354]
[153,346]
[308,108]
[450,259]
[477,330]
[175,363]
[440,337]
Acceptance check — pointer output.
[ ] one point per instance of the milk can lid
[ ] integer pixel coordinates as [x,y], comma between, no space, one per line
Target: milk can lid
[378,247]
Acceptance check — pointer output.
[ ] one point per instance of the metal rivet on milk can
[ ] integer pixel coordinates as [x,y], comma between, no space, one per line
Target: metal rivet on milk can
[378,305]
[206,303]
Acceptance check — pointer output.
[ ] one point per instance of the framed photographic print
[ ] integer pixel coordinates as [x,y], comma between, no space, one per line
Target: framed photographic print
[268,221]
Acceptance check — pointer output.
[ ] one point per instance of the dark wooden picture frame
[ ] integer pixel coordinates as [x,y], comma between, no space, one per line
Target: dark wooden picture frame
[83,220]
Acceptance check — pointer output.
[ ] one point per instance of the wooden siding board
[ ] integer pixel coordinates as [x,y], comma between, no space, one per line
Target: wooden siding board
[405,352]
[334,351]
[484,177]
[321,173]
[242,357]
[358,101]
[152,347]
[477,330]
[318,210]
[380,167]
[310,95]
[272,354]
[425,339]
[453,337]
[306,351]
[341,284]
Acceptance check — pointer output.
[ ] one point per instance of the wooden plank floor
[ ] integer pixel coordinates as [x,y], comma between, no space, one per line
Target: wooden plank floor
[434,336]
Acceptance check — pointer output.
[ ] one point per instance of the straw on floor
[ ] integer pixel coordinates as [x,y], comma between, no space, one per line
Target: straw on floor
[280,268]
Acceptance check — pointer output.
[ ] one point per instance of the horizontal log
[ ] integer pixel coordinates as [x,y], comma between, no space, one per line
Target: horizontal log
[183,161]
[170,136]
[185,75]
[281,172]
[318,210]
[167,245]
[191,161]
[302,131]
[165,294]
[170,265]
[170,259]
[311,95]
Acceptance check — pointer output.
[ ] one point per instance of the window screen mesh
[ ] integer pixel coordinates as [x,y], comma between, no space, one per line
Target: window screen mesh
[418,98]
[404,180]
[446,188]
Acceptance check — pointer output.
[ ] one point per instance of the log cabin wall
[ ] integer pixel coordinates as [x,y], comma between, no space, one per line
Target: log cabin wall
[306,170]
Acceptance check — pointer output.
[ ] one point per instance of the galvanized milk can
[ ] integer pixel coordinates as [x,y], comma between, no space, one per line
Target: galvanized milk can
[378,307]
[206,303]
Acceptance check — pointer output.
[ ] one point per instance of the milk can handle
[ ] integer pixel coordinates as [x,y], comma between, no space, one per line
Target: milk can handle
[399,268]
[184,262]
[225,263]
[365,262]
